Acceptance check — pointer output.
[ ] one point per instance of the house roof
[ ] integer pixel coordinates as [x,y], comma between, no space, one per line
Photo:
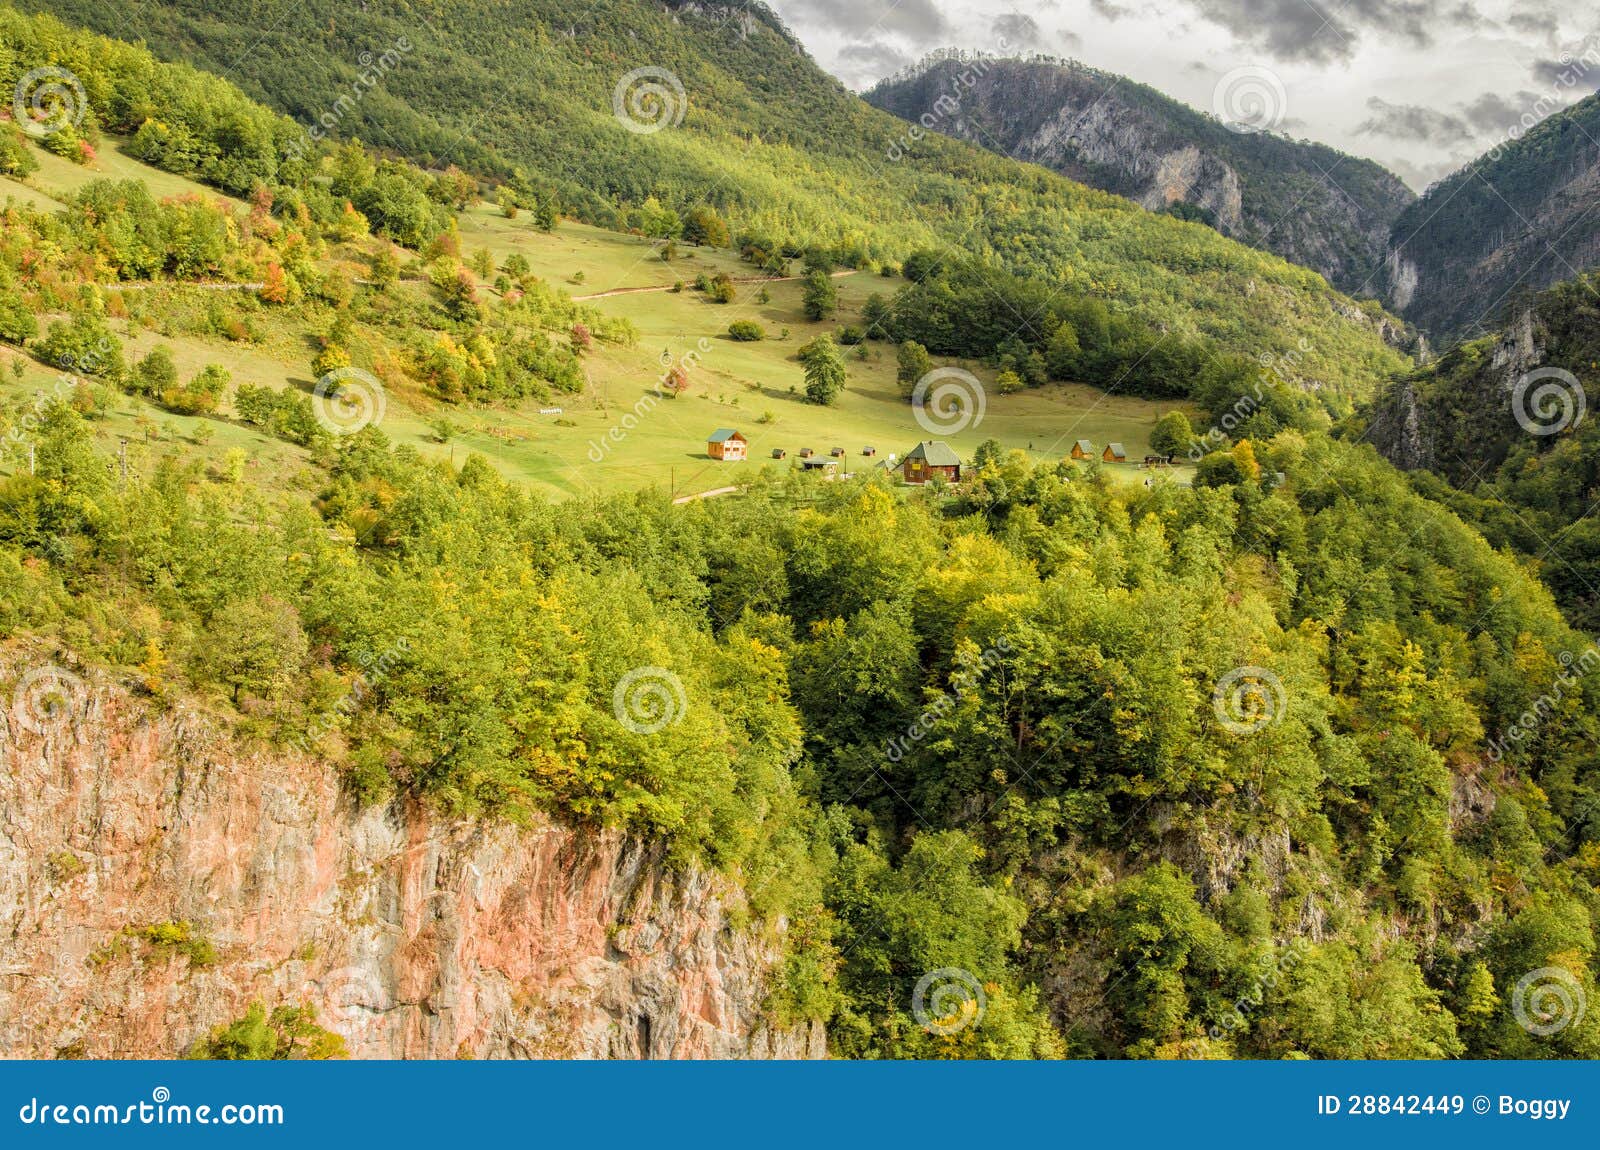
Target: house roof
[723,434]
[1115,449]
[1084,445]
[934,454]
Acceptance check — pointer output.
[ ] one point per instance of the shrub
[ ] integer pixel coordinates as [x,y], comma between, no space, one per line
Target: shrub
[746,331]
[17,324]
[720,289]
[290,1032]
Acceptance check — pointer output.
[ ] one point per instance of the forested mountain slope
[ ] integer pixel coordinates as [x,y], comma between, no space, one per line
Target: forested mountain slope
[1509,421]
[1515,220]
[1266,765]
[1307,202]
[748,124]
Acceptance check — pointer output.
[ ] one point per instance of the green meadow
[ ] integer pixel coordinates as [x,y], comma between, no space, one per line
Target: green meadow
[622,432]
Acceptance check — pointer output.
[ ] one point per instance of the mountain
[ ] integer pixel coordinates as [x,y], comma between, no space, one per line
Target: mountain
[1307,202]
[750,127]
[1518,219]
[316,705]
[1508,423]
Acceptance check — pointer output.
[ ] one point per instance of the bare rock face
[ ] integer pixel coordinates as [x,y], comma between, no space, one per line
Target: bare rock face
[415,936]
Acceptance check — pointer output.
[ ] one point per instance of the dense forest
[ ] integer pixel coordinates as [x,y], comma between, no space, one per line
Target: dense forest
[1289,762]
[983,735]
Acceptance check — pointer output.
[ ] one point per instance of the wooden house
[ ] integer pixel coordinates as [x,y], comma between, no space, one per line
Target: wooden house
[837,452]
[726,444]
[827,468]
[930,458]
[779,453]
[1114,453]
[1082,449]
[806,453]
[869,451]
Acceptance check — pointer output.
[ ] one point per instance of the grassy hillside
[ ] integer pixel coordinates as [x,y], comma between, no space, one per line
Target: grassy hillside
[732,384]
[766,137]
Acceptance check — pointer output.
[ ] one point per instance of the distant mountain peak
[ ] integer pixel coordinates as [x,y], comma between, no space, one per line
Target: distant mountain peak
[1304,201]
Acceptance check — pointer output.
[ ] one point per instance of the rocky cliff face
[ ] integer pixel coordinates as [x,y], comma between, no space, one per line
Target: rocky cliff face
[415,936]
[1305,202]
[1457,416]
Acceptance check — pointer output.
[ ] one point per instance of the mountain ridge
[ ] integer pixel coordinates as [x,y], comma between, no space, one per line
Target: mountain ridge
[1516,220]
[1130,139]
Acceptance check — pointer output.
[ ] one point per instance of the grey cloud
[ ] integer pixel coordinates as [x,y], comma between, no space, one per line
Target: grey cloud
[874,58]
[1493,112]
[920,21]
[1413,122]
[1466,15]
[1545,24]
[1418,175]
[1069,39]
[1575,74]
[1412,19]
[1286,29]
[1325,31]
[1017,31]
[1110,10]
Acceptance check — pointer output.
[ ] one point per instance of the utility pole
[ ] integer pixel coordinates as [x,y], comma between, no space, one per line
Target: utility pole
[122,459]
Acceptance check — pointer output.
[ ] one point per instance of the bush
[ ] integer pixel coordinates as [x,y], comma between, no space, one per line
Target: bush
[746,331]
[720,289]
[291,1032]
[84,344]
[16,160]
[202,394]
[17,324]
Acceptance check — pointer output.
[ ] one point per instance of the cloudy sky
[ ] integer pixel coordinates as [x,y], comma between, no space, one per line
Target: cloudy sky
[1422,86]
